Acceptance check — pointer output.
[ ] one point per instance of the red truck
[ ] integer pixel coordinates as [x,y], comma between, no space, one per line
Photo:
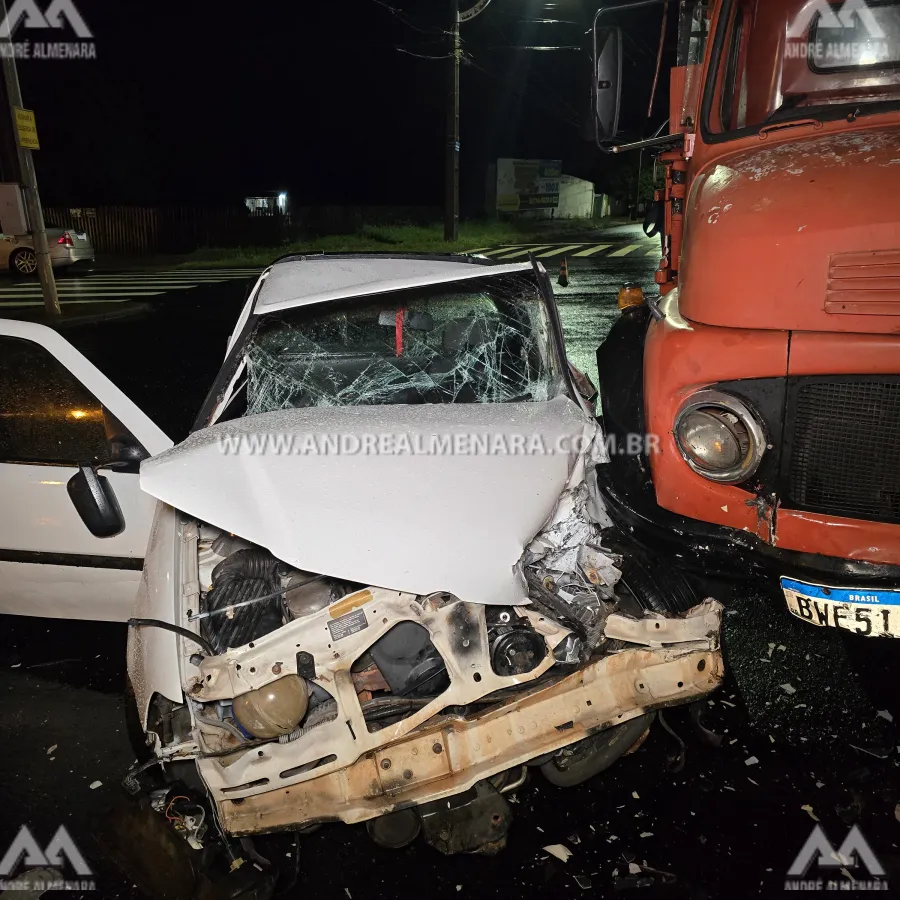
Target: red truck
[768,369]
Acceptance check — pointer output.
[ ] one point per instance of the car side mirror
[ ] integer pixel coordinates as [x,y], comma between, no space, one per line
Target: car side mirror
[125,452]
[607,82]
[93,497]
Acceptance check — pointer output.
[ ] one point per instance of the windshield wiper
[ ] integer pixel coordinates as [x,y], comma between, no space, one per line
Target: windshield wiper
[789,105]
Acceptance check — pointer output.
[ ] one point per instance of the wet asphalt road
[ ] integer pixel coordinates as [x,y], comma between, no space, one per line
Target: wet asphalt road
[728,824]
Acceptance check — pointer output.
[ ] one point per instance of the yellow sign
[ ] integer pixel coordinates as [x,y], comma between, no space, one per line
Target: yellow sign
[27,128]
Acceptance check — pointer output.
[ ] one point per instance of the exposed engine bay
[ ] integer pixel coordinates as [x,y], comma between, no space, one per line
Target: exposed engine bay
[317,700]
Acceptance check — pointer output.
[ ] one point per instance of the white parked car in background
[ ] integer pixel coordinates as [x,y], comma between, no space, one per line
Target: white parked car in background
[377,574]
[67,247]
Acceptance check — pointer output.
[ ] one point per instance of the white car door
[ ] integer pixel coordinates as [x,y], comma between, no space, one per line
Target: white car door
[74,523]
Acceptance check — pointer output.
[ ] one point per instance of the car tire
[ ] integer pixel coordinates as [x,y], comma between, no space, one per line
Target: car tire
[23,261]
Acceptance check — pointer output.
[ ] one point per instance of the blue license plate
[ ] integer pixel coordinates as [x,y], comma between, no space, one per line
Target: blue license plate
[871,612]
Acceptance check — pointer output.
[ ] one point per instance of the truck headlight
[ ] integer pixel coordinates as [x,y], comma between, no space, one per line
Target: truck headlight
[719,437]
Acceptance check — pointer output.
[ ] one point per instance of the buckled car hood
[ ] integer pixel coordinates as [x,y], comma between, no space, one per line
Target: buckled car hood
[411,498]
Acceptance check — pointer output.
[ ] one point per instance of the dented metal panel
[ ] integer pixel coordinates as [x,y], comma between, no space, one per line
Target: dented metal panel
[451,754]
[398,519]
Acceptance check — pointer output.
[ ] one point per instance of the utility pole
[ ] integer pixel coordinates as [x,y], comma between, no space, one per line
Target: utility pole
[637,190]
[451,200]
[29,178]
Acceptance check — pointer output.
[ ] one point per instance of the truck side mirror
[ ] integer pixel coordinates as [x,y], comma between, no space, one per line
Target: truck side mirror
[607,82]
[93,497]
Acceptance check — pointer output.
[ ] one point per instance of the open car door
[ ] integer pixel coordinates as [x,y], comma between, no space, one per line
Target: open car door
[75,524]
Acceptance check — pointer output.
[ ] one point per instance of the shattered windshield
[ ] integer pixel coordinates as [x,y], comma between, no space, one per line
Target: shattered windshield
[485,340]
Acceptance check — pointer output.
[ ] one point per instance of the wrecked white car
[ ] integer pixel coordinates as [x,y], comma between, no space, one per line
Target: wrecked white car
[379,583]
[383,548]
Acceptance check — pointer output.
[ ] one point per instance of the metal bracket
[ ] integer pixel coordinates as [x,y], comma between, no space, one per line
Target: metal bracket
[701,624]
[689,141]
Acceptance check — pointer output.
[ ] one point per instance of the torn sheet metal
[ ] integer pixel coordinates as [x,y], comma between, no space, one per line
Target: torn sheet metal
[417,522]
[606,692]
[568,552]
[541,718]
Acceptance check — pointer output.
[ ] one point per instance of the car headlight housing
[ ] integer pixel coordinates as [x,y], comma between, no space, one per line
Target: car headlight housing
[719,437]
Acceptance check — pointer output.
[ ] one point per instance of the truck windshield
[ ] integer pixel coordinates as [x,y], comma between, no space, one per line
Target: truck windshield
[780,60]
[868,39]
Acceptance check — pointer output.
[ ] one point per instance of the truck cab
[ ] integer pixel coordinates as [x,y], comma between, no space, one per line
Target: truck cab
[768,369]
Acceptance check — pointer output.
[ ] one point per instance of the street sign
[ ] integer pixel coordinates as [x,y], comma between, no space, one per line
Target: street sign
[27,129]
[524,184]
[474,11]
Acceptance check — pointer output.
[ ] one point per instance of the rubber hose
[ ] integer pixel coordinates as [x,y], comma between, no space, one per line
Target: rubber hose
[217,723]
[175,629]
[612,744]
[247,564]
[325,712]
[243,627]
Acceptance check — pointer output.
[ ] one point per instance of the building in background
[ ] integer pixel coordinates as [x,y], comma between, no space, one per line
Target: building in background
[537,189]
[268,203]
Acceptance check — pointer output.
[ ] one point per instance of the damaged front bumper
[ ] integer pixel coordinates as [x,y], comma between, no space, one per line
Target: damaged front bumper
[436,753]
[717,551]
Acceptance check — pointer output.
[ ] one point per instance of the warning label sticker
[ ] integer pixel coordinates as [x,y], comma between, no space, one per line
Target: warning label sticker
[347,625]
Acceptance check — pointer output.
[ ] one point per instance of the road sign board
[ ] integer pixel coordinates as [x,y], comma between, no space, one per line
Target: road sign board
[27,129]
[524,184]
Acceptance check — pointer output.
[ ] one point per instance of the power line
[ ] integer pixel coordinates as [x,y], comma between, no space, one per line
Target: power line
[405,19]
[422,55]
[528,47]
[534,74]
[551,110]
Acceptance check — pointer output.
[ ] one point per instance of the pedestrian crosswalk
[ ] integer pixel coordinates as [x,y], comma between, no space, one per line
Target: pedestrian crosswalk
[111,287]
[119,287]
[646,247]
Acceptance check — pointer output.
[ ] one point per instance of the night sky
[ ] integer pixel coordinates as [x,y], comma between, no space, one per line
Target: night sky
[208,102]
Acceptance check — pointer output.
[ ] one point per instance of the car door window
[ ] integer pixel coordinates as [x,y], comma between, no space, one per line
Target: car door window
[46,414]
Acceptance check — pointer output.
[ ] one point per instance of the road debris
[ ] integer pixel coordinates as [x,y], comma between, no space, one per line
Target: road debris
[788,688]
[751,761]
[640,877]
[95,784]
[807,808]
[560,851]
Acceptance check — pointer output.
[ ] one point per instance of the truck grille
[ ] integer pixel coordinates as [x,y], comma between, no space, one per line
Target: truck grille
[844,450]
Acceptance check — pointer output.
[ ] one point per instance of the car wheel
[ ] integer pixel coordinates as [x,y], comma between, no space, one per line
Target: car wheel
[23,261]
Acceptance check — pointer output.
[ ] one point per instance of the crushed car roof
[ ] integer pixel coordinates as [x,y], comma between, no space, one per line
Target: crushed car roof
[301,281]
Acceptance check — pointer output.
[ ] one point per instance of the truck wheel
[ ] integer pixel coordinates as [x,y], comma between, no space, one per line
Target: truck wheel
[23,261]
[650,582]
